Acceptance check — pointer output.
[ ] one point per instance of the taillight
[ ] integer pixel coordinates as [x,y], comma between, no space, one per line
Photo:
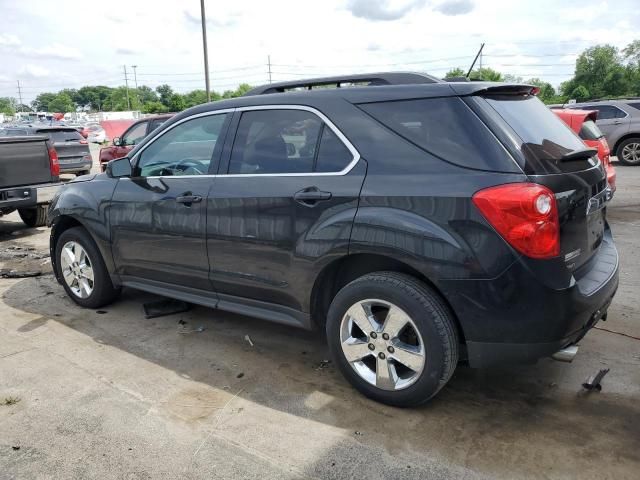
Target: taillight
[525,215]
[54,164]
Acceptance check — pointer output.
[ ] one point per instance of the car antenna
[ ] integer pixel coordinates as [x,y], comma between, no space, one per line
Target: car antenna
[475,60]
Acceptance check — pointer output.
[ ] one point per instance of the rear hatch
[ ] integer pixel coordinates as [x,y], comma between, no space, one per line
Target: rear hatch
[67,143]
[551,154]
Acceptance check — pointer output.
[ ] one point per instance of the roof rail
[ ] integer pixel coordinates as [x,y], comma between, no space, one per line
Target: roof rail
[369,79]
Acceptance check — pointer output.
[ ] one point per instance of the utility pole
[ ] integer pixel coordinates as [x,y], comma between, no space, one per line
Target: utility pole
[269,65]
[19,96]
[204,47]
[135,79]
[126,83]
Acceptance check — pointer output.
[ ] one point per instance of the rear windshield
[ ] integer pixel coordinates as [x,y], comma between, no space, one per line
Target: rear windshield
[61,136]
[445,127]
[590,131]
[10,132]
[545,138]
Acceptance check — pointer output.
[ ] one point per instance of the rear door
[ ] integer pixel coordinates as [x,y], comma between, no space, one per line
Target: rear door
[551,154]
[284,203]
[158,217]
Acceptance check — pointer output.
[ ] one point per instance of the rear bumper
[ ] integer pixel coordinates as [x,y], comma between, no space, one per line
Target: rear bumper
[516,318]
[27,196]
[75,166]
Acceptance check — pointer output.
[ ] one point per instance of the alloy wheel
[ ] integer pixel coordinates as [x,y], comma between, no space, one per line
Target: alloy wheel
[77,269]
[382,344]
[631,153]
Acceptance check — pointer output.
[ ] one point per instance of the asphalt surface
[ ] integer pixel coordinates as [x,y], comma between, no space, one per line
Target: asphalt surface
[110,395]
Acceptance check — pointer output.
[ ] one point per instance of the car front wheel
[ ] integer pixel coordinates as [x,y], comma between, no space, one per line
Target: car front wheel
[82,270]
[393,338]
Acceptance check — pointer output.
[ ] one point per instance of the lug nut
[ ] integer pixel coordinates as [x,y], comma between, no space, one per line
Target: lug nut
[385,336]
[371,346]
[381,355]
[390,349]
[373,335]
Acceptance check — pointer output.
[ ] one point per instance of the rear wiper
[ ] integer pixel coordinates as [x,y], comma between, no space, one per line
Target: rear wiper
[579,154]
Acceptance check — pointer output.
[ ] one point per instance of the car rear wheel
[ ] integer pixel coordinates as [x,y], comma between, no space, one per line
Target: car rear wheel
[628,152]
[82,270]
[34,217]
[393,338]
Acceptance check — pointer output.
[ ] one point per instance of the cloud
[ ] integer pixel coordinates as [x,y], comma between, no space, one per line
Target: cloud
[125,51]
[382,10]
[55,51]
[455,7]
[194,18]
[33,71]
[9,40]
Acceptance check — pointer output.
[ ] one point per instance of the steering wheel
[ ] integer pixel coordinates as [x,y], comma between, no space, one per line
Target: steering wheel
[190,163]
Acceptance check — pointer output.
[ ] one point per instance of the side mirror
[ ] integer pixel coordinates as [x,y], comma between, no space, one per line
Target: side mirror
[117,142]
[120,167]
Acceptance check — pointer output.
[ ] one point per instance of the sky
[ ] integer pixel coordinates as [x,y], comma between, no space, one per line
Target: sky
[52,44]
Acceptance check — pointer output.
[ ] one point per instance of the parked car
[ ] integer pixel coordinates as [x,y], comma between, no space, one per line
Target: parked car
[97,134]
[82,129]
[29,177]
[619,120]
[122,145]
[583,122]
[416,222]
[72,149]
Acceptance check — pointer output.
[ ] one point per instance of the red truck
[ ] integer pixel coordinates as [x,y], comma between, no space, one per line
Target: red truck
[583,122]
[121,146]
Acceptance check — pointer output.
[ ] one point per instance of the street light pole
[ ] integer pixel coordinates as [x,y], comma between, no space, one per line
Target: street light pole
[204,46]
[135,76]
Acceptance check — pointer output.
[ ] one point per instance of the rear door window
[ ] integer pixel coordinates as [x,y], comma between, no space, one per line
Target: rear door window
[135,134]
[445,127]
[62,136]
[608,112]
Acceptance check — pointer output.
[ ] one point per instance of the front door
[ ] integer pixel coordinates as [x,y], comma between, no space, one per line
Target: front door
[282,206]
[158,216]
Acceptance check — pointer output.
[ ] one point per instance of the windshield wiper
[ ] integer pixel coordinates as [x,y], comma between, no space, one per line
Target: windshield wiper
[579,154]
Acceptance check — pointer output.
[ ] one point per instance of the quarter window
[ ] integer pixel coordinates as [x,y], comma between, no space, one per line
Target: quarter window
[608,112]
[186,149]
[286,141]
[137,133]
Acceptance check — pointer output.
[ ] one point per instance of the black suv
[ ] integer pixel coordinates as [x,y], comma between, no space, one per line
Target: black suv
[420,223]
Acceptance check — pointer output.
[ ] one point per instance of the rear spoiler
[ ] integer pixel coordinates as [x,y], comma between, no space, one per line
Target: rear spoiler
[493,88]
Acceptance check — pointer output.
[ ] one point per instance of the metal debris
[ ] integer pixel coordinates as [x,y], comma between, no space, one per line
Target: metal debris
[16,274]
[248,339]
[161,308]
[593,383]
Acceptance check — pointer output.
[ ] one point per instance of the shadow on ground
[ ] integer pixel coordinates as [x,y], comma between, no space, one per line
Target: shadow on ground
[528,421]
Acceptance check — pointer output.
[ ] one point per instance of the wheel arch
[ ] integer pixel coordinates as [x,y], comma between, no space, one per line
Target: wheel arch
[626,136]
[344,270]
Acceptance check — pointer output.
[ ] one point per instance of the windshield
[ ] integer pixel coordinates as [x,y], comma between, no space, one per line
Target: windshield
[590,131]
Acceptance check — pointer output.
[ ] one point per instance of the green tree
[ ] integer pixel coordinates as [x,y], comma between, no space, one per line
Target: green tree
[8,105]
[455,72]
[600,71]
[487,75]
[176,103]
[165,92]
[547,92]
[62,103]
[42,101]
[94,96]
[154,107]
[195,97]
[580,93]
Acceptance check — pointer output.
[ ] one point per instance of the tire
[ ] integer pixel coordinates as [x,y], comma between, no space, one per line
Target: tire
[34,217]
[75,279]
[83,172]
[431,331]
[629,148]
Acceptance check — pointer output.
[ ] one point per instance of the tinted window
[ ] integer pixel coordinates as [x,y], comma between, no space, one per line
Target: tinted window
[186,149]
[275,141]
[61,136]
[10,132]
[590,131]
[156,123]
[607,112]
[545,136]
[333,155]
[445,127]
[137,133]
[635,105]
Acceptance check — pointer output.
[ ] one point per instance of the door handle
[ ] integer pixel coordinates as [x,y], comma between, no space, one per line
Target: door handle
[617,122]
[309,197]
[188,199]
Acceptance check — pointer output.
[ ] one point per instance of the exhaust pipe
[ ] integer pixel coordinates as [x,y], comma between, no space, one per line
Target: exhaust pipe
[566,354]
